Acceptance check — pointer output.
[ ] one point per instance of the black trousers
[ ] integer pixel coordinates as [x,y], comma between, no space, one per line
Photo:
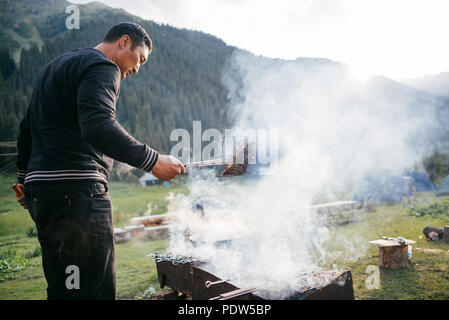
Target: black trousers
[75,230]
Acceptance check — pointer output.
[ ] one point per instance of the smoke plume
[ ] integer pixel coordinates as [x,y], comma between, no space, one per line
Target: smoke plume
[333,131]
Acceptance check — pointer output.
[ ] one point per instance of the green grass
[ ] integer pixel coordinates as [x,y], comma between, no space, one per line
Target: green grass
[21,275]
[131,200]
[135,271]
[426,278]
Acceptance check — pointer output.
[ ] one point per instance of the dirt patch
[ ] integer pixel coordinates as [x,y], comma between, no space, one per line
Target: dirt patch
[435,251]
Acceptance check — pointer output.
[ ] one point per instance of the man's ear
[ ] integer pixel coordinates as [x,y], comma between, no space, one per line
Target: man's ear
[124,41]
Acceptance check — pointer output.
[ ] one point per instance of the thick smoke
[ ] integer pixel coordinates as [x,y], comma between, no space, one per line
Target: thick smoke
[333,131]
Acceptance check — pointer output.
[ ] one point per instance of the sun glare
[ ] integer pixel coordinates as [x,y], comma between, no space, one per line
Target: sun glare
[360,72]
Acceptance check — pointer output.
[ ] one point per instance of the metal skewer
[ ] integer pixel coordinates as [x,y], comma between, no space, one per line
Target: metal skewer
[207,163]
[208,283]
[234,293]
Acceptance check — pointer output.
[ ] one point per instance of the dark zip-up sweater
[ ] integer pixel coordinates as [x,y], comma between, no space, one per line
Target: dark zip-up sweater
[70,131]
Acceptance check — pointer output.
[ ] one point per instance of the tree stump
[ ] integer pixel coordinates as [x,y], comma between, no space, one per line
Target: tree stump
[393,257]
[446,234]
[433,233]
[392,254]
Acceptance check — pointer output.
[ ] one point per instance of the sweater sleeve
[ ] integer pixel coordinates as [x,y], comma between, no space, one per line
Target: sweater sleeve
[23,148]
[97,95]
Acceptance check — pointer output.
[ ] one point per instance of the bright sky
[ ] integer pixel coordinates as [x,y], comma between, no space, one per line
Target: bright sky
[396,38]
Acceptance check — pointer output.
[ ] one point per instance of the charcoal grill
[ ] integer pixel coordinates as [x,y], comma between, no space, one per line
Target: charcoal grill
[192,279]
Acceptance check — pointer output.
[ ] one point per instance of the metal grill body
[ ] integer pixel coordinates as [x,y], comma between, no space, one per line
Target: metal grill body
[191,277]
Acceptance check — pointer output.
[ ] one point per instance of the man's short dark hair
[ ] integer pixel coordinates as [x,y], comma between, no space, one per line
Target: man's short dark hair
[137,34]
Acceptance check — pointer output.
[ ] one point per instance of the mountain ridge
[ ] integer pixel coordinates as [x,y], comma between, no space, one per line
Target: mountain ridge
[181,82]
[437,84]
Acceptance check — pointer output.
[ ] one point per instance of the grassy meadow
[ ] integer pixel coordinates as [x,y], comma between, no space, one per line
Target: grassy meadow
[427,277]
[21,275]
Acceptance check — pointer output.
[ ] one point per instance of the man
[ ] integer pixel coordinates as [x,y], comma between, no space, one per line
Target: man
[65,146]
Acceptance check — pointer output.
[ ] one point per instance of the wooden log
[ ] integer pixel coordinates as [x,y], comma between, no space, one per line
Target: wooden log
[151,221]
[394,257]
[433,233]
[155,233]
[337,206]
[121,235]
[135,230]
[446,234]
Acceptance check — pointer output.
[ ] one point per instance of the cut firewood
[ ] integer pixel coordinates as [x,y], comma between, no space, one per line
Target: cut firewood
[151,221]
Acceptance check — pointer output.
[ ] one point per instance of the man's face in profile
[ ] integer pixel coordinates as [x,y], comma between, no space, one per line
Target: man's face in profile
[129,60]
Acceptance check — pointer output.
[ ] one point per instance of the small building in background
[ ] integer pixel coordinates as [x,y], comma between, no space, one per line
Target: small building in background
[149,180]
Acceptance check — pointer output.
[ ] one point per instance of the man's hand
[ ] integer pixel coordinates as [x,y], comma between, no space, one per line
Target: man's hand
[20,197]
[167,167]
